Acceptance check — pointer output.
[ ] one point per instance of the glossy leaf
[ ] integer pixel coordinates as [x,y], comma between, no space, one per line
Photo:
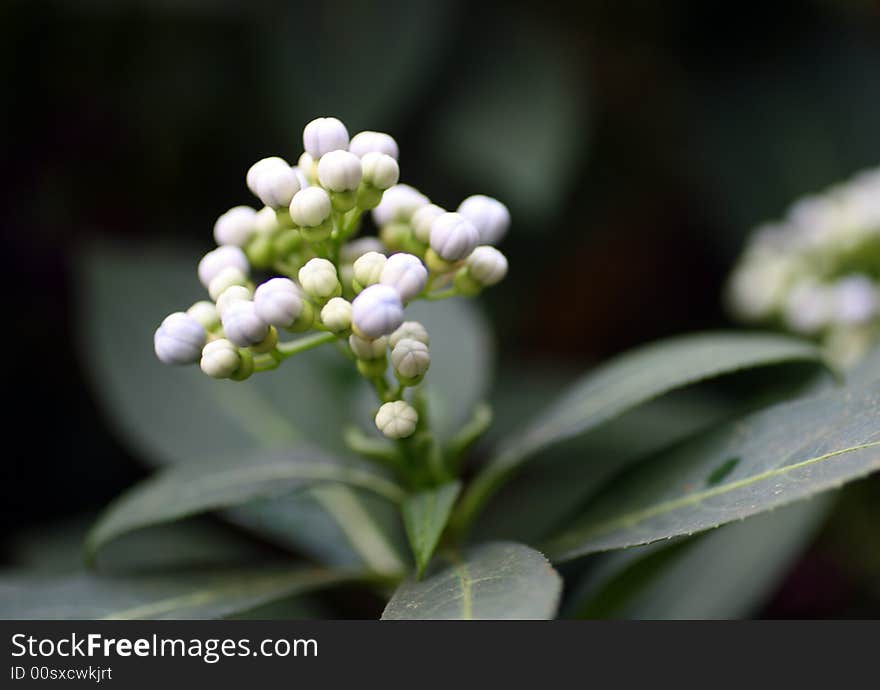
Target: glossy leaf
[425,515]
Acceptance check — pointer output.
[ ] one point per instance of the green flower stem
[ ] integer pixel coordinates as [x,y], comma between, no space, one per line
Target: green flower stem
[350,224]
[468,435]
[440,294]
[373,449]
[294,347]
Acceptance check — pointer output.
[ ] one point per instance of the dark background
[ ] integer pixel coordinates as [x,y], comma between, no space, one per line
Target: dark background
[636,144]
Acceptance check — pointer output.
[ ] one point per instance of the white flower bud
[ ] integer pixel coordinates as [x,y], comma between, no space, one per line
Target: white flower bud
[257,169]
[179,340]
[205,313]
[856,300]
[216,260]
[236,226]
[809,307]
[220,359]
[228,277]
[405,273]
[368,268]
[266,221]
[397,419]
[230,295]
[367,349]
[318,278]
[339,171]
[422,219]
[487,265]
[363,143]
[352,251]
[323,135]
[277,185]
[410,330]
[336,315]
[242,325]
[453,236]
[410,358]
[398,205]
[377,311]
[380,170]
[489,216]
[278,302]
[301,176]
[310,207]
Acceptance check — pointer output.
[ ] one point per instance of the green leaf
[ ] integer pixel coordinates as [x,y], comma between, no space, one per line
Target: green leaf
[770,458]
[495,581]
[425,514]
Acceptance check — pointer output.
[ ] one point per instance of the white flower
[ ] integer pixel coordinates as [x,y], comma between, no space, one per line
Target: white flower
[323,135]
[809,307]
[411,330]
[453,236]
[318,278]
[363,143]
[336,315]
[229,276]
[236,226]
[220,359]
[487,265]
[489,216]
[380,170]
[405,273]
[410,358]
[278,302]
[352,251]
[855,300]
[310,207]
[367,349]
[339,171]
[377,311]
[368,268]
[179,340]
[266,221]
[242,325]
[230,295]
[205,313]
[216,260]
[398,205]
[257,169]
[397,419]
[422,219]
[277,185]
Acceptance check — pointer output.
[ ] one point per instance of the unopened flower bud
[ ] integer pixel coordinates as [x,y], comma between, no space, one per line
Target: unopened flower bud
[229,276]
[336,315]
[367,349]
[398,205]
[363,143]
[277,185]
[377,311]
[352,251]
[856,300]
[453,236]
[410,359]
[220,359]
[242,325]
[380,170]
[222,257]
[309,169]
[422,219]
[278,302]
[368,269]
[323,135]
[257,169]
[206,314]
[339,171]
[310,209]
[236,226]
[232,294]
[411,330]
[179,339]
[489,216]
[266,221]
[319,279]
[397,419]
[405,273]
[487,265]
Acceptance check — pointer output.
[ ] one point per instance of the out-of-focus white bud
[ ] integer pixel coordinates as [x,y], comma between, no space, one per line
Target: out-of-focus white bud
[216,260]
[410,330]
[228,277]
[487,265]
[277,185]
[232,294]
[397,419]
[405,273]
[855,300]
[278,302]
[236,226]
[352,251]
[220,359]
[179,339]
[398,205]
[266,221]
[377,311]
[323,135]
[489,216]
[368,268]
[261,166]
[339,171]
[410,359]
[318,278]
[809,307]
[205,313]
[310,207]
[367,350]
[336,315]
[422,219]
[363,143]
[242,325]
[453,236]
[380,170]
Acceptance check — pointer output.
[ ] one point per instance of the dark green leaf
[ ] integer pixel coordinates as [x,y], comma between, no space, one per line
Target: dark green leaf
[425,515]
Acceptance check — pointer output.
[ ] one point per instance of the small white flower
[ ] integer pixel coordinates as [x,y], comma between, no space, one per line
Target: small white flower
[220,359]
[397,419]
[352,251]
[855,299]
[310,207]
[809,307]
[278,302]
[242,325]
[318,278]
[277,185]
[380,170]
[422,219]
[236,226]
[405,273]
[339,171]
[411,330]
[266,221]
[368,268]
[367,349]
[179,340]
[205,313]
[323,135]
[229,276]
[453,236]
[410,358]
[230,295]
[336,315]
[489,216]
[377,311]
[363,143]
[216,260]
[487,265]
[261,166]
[398,205]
